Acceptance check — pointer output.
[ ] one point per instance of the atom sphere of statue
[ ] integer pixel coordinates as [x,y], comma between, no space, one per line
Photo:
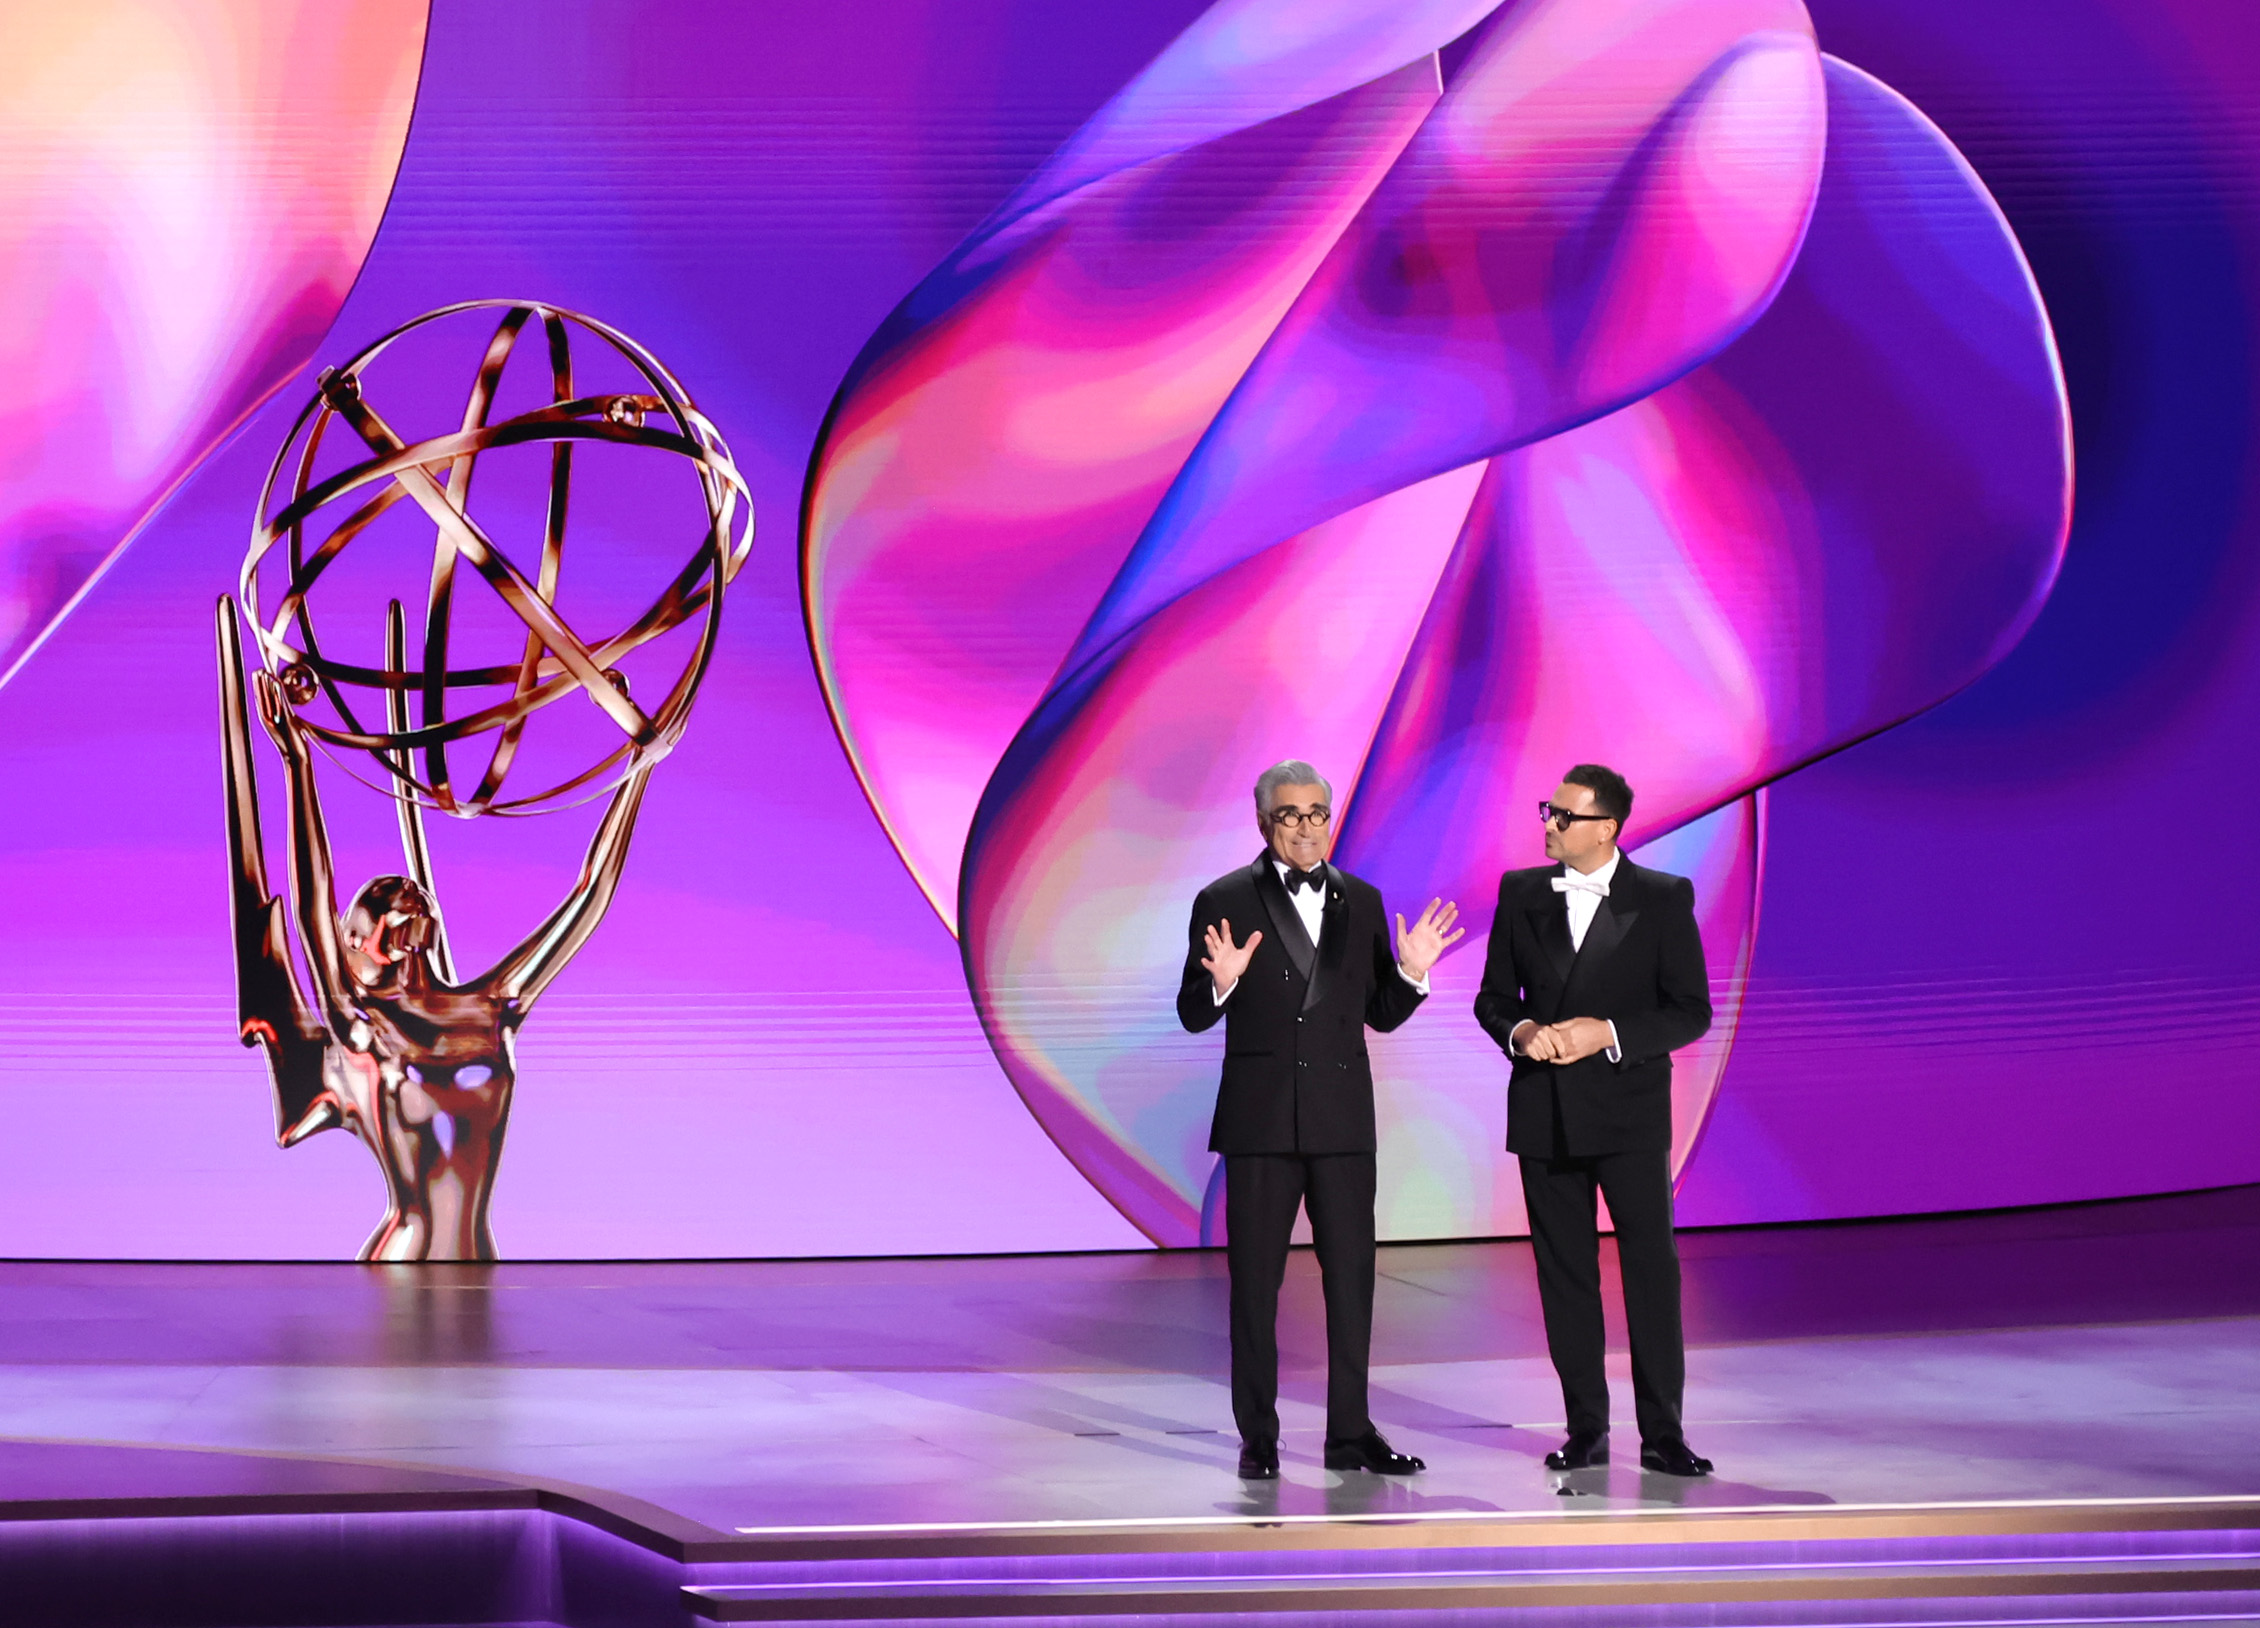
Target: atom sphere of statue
[415,1060]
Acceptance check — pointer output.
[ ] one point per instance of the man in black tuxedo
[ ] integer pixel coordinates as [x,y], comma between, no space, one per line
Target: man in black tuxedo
[1594,978]
[1294,1115]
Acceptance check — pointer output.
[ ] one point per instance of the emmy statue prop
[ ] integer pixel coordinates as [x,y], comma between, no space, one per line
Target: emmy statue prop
[399,1047]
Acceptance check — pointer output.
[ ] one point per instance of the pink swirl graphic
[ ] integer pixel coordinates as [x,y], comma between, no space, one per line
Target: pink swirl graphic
[1653,388]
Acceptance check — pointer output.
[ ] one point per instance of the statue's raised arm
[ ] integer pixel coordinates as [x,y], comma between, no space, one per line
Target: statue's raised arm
[271,1010]
[313,883]
[520,977]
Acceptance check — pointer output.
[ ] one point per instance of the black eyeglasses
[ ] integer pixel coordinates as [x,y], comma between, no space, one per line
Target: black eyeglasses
[1316,818]
[1561,819]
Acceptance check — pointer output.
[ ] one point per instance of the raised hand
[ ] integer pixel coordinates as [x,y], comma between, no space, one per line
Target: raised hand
[274,711]
[1423,944]
[1225,960]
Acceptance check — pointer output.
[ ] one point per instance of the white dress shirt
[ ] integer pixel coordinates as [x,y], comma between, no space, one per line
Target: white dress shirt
[1310,905]
[1584,903]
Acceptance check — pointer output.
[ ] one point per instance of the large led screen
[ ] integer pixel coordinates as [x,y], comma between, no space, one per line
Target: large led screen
[763,547]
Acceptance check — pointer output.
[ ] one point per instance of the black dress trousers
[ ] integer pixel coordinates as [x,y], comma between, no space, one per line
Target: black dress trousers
[1565,1239]
[1262,1192]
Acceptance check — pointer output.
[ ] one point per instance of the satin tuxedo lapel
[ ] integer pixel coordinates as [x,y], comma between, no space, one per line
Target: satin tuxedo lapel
[1550,921]
[1286,920]
[1333,937]
[1611,922]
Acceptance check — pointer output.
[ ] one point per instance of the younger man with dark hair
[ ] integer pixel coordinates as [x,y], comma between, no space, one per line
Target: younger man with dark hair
[1594,978]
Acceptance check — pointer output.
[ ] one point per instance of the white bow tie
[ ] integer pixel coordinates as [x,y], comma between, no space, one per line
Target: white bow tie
[1576,882]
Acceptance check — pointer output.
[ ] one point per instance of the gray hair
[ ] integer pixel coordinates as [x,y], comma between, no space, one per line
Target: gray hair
[1293,772]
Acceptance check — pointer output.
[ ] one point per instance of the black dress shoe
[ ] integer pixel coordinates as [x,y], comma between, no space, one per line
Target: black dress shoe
[1259,1461]
[1371,1452]
[1672,1458]
[1584,1450]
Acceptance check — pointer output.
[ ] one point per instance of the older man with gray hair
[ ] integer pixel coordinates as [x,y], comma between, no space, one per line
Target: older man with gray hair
[1306,972]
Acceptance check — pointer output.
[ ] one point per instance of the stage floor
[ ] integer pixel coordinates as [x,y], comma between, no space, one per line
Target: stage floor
[2106,1352]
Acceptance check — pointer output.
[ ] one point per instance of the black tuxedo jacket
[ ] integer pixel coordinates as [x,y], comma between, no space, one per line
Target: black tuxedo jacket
[1641,967]
[1296,1077]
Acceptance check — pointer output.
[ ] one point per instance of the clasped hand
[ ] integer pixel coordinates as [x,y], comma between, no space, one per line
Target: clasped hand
[1568,1041]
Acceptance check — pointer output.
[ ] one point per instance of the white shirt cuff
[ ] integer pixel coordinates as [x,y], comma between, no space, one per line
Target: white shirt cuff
[1222,994]
[1420,983]
[1615,1052]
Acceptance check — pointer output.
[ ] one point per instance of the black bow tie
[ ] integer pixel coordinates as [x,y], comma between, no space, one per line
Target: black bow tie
[1315,880]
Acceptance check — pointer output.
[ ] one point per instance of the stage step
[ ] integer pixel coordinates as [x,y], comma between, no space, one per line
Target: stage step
[1848,1569]
[532,1558]
[1338,1597]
